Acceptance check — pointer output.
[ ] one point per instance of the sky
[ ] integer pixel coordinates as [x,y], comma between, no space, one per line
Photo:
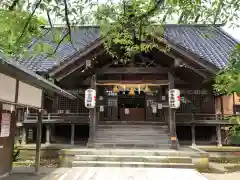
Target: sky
[233,32]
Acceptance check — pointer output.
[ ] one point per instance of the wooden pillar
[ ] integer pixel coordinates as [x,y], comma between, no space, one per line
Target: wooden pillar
[218,132]
[193,135]
[92,117]
[38,142]
[53,133]
[172,117]
[48,134]
[193,130]
[24,135]
[72,133]
[219,135]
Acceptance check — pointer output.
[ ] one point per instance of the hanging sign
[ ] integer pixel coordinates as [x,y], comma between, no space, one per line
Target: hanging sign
[90,98]
[126,110]
[154,109]
[174,98]
[160,106]
[5,124]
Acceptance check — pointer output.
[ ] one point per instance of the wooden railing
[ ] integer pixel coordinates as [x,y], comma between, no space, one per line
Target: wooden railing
[59,118]
[181,118]
[214,119]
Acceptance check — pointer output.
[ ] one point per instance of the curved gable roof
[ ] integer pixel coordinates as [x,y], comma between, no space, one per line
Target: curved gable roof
[209,43]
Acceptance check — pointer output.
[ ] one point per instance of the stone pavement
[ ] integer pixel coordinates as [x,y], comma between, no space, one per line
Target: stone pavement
[226,176]
[87,173]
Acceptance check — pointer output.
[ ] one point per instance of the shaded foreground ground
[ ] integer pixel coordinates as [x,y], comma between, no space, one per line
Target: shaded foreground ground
[226,176]
[118,174]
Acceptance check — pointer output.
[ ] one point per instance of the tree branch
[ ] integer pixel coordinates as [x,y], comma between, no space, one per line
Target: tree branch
[152,10]
[68,23]
[217,11]
[180,18]
[166,14]
[197,18]
[28,21]
[49,19]
[13,5]
[59,43]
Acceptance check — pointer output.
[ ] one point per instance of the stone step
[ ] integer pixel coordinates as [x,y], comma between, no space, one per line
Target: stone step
[134,158]
[127,138]
[127,127]
[159,136]
[133,129]
[147,123]
[131,141]
[113,139]
[134,125]
[128,152]
[130,164]
[132,132]
[127,145]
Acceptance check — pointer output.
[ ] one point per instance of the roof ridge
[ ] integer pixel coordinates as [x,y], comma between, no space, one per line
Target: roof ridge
[98,26]
[195,25]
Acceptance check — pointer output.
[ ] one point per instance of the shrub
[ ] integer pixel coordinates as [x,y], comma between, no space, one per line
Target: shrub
[16,152]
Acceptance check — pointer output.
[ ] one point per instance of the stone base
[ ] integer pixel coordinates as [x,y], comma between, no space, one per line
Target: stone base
[92,157]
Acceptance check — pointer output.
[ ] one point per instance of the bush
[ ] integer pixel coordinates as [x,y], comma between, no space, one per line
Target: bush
[16,152]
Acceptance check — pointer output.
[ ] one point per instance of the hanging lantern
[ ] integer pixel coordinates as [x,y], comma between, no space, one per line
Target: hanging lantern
[131,92]
[115,89]
[146,89]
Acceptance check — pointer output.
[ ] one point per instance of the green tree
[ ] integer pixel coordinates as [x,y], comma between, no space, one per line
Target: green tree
[18,27]
[128,29]
[228,80]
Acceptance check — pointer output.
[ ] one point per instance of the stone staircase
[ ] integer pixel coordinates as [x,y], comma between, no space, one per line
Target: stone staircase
[132,135]
[131,158]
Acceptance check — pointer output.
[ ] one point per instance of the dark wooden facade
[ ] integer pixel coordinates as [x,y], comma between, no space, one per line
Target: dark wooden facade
[161,71]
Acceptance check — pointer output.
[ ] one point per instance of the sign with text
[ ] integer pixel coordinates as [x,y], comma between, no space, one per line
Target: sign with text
[90,98]
[174,98]
[5,125]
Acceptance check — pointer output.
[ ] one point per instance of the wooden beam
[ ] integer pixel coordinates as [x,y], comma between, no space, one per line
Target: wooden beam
[199,61]
[204,75]
[133,70]
[194,58]
[78,55]
[92,117]
[172,116]
[38,141]
[143,82]
[80,65]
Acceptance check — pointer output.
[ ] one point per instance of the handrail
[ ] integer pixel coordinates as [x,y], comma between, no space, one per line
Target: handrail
[65,117]
[58,114]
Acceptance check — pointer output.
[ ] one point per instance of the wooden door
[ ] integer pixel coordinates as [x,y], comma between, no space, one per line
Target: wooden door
[135,114]
[132,108]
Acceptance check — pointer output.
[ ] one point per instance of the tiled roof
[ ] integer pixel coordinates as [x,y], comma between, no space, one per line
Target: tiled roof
[81,37]
[22,73]
[209,43]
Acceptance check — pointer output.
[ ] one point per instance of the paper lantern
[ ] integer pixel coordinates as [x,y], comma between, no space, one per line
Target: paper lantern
[115,89]
[131,92]
[146,89]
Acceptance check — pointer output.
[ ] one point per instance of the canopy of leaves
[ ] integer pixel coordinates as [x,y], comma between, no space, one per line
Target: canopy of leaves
[228,80]
[130,24]
[125,28]
[14,36]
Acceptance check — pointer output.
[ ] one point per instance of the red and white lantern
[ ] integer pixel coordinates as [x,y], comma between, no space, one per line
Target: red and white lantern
[90,98]
[174,98]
